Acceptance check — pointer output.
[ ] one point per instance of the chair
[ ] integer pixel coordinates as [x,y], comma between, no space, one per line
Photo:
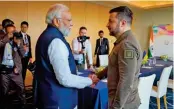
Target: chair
[144,90]
[103,59]
[170,84]
[161,89]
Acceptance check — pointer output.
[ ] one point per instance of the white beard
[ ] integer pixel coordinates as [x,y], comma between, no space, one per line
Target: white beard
[64,31]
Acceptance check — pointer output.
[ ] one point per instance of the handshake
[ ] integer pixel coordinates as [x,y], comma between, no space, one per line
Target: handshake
[94,79]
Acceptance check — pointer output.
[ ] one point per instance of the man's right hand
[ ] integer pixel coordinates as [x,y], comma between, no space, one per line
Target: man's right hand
[94,79]
[16,71]
[82,52]
[5,39]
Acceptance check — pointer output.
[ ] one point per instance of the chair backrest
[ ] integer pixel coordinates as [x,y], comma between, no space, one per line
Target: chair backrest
[163,82]
[103,59]
[144,90]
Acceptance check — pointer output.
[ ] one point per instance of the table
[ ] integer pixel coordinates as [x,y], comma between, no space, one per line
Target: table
[93,98]
[97,97]
[157,70]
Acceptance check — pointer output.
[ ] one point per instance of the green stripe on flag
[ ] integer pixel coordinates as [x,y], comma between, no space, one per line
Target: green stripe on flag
[149,53]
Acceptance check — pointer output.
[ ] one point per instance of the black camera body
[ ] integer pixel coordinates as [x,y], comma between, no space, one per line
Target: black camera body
[82,39]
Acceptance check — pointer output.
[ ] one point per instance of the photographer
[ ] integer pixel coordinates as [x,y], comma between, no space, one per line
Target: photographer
[11,71]
[4,34]
[82,50]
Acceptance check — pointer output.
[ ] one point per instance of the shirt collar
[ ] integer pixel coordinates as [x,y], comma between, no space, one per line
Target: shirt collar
[122,37]
[23,33]
[101,38]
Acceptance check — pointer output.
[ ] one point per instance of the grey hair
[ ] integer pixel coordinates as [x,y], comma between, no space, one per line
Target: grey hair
[55,11]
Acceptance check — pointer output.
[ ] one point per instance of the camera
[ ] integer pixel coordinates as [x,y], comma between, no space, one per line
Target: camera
[82,39]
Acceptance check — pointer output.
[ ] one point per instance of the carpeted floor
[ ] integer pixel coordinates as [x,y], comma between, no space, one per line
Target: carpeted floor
[153,104]
[153,101]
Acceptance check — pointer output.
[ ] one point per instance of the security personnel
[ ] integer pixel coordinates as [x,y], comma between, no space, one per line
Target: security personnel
[102,46]
[26,42]
[12,69]
[124,61]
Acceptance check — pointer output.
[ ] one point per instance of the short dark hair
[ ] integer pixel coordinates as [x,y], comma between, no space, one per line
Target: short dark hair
[101,31]
[81,28]
[24,23]
[9,25]
[123,12]
[17,35]
[6,22]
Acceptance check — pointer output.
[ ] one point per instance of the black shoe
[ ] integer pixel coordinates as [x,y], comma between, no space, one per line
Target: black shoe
[23,107]
[23,104]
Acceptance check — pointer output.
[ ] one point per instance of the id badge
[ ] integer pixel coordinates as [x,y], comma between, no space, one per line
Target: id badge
[15,49]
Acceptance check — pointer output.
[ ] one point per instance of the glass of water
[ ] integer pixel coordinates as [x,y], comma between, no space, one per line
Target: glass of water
[149,62]
[154,60]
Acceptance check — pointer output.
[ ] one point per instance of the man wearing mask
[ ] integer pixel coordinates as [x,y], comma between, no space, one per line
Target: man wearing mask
[26,42]
[4,23]
[11,70]
[81,47]
[124,61]
[7,34]
[102,46]
[4,36]
[56,74]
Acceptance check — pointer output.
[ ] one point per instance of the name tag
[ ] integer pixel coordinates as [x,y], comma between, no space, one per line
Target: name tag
[15,49]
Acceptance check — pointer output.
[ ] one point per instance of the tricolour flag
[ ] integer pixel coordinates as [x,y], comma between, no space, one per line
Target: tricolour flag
[151,42]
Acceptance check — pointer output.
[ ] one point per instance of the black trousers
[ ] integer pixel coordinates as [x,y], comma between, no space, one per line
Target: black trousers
[24,66]
[97,61]
[6,81]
